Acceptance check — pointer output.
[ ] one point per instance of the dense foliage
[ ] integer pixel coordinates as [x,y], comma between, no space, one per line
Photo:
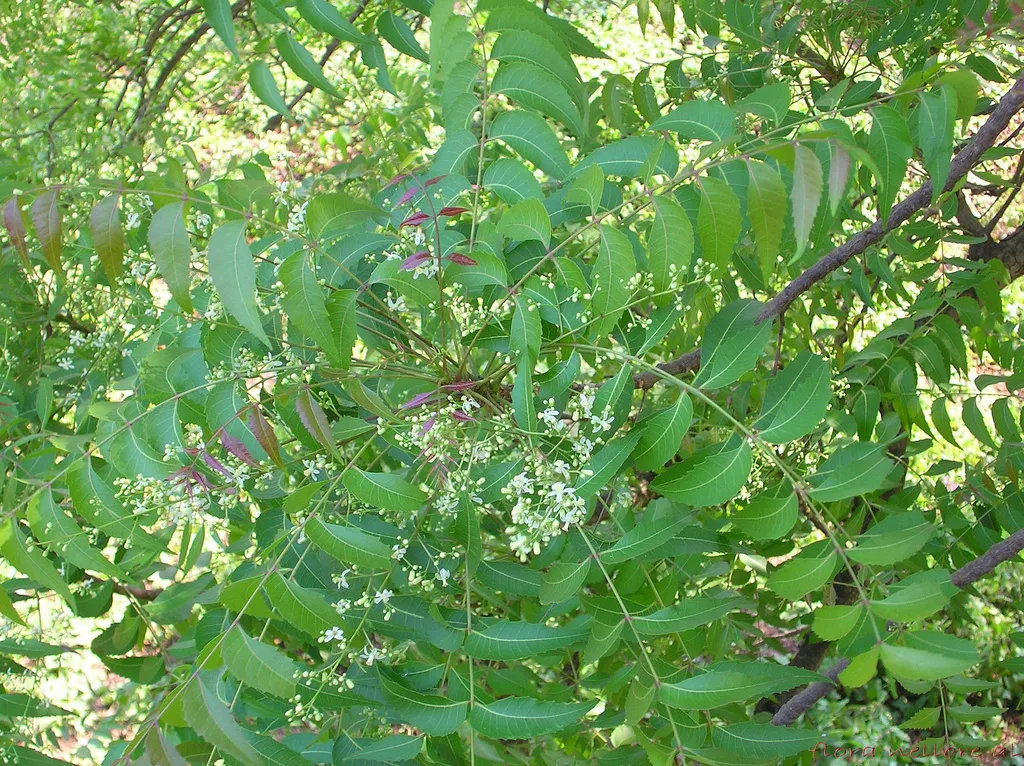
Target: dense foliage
[520,405]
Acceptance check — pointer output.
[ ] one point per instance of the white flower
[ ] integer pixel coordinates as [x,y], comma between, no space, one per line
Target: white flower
[371,654]
[67,363]
[332,634]
[342,580]
[418,237]
[603,421]
[76,338]
[553,418]
[522,484]
[396,304]
[443,575]
[586,402]
[561,467]
[398,551]
[132,221]
[382,596]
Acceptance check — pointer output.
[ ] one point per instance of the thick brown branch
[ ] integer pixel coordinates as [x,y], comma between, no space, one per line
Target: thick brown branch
[969,573]
[803,701]
[962,163]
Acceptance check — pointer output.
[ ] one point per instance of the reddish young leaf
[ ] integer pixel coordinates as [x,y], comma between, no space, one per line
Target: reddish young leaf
[16,227]
[414,220]
[236,448]
[46,218]
[414,260]
[314,418]
[417,400]
[462,260]
[462,417]
[264,434]
[434,180]
[409,194]
[397,180]
[450,211]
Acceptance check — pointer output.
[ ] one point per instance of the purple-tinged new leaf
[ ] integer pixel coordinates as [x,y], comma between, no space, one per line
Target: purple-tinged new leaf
[414,220]
[264,434]
[314,418]
[15,225]
[415,260]
[461,260]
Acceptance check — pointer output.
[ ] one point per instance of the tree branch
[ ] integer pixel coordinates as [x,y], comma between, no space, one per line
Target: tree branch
[969,573]
[967,158]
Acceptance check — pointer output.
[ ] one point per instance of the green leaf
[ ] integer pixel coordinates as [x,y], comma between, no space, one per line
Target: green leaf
[349,545]
[489,269]
[46,218]
[61,534]
[300,607]
[563,580]
[852,470]
[833,622]
[512,181]
[263,84]
[108,237]
[303,302]
[700,120]
[384,490]
[259,665]
[331,214]
[770,102]
[646,536]
[430,713]
[686,615]
[324,17]
[397,32]
[925,718]
[766,208]
[547,53]
[889,144]
[587,188]
[218,14]
[661,435]
[726,683]
[509,640]
[897,537]
[160,751]
[29,561]
[718,221]
[796,400]
[807,187]
[604,466]
[669,247]
[862,669]
[763,740]
[524,717]
[770,514]
[397,748]
[613,269]
[302,63]
[532,87]
[732,343]
[343,310]
[523,404]
[526,220]
[929,656]
[511,578]
[172,251]
[211,718]
[710,477]
[233,272]
[803,574]
[532,138]
[975,422]
[916,598]
[936,118]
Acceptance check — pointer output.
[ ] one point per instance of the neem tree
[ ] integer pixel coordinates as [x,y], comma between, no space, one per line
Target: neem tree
[590,427]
